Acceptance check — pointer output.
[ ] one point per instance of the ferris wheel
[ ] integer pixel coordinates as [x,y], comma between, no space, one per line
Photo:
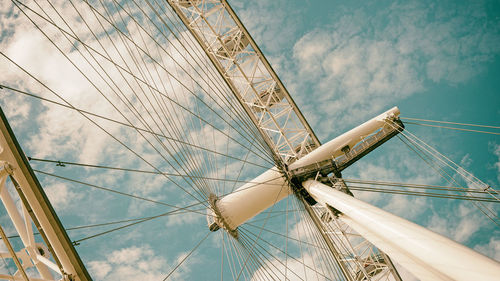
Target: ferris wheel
[172,146]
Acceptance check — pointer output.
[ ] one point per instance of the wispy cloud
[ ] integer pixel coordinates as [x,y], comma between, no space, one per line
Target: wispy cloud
[459,228]
[269,23]
[492,248]
[132,263]
[359,64]
[496,165]
[60,196]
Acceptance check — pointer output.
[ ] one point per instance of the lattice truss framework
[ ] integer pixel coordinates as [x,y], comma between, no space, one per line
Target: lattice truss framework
[360,258]
[253,81]
[53,256]
[33,254]
[249,75]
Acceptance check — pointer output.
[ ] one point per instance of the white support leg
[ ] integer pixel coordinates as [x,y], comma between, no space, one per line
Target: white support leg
[348,140]
[39,209]
[22,225]
[13,254]
[252,198]
[426,254]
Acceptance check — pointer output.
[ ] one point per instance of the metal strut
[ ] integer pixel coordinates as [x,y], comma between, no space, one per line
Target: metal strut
[426,254]
[37,210]
[246,71]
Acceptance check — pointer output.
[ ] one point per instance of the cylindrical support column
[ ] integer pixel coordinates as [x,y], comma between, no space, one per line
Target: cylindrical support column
[13,213]
[13,254]
[426,254]
[347,140]
[21,225]
[253,197]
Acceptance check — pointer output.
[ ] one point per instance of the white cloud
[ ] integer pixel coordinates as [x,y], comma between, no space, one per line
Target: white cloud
[99,269]
[60,196]
[184,219]
[461,227]
[491,249]
[356,71]
[468,225]
[408,207]
[18,113]
[132,263]
[268,23]
[496,152]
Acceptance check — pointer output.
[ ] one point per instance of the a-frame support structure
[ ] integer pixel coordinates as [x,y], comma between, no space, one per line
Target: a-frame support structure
[37,210]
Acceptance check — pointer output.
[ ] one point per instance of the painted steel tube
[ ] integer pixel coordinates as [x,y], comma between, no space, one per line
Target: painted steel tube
[35,197]
[351,138]
[19,224]
[426,254]
[253,197]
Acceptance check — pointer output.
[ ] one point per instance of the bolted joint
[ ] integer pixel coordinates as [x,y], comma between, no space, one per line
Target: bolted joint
[317,170]
[8,169]
[68,277]
[215,220]
[329,213]
[300,191]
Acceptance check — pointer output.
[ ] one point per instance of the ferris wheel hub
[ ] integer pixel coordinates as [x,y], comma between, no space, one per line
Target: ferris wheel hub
[272,186]
[215,220]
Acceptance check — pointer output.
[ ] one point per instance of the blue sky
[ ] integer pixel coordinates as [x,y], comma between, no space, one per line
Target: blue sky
[342,61]
[347,61]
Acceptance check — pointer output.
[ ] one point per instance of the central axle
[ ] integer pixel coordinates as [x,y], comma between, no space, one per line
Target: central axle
[272,186]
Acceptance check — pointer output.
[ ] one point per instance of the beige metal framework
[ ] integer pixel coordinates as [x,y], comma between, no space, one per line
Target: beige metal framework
[37,210]
[350,229]
[249,75]
[253,81]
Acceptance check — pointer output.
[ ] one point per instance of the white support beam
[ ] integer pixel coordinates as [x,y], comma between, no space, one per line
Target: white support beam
[348,140]
[22,225]
[426,254]
[252,198]
[13,254]
[39,209]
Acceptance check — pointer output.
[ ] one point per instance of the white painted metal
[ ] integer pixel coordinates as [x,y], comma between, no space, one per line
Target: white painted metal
[37,210]
[249,75]
[347,140]
[22,225]
[428,255]
[49,263]
[252,198]
[13,254]
[271,186]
